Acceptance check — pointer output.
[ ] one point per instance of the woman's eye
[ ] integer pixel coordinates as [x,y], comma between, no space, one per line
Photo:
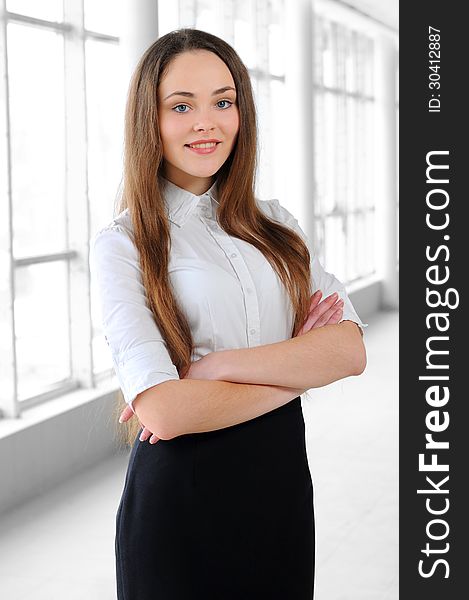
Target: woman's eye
[229,102]
[178,107]
[184,111]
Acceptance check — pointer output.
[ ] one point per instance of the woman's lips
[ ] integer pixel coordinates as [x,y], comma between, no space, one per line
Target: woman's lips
[203,150]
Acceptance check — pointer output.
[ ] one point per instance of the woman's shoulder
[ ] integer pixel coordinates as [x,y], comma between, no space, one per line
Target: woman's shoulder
[122,223]
[275,210]
[116,237]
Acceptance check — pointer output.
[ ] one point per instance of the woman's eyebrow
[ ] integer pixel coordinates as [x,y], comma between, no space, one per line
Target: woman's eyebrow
[191,95]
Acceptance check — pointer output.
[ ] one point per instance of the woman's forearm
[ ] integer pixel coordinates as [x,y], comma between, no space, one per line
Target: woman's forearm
[314,359]
[178,407]
[246,383]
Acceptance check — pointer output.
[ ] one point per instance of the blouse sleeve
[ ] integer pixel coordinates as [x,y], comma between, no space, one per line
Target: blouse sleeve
[321,279]
[139,353]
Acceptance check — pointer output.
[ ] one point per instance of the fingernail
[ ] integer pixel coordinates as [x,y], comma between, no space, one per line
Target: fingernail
[141,437]
[120,420]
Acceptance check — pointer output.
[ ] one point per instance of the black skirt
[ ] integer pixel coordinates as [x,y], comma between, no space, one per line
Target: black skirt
[219,515]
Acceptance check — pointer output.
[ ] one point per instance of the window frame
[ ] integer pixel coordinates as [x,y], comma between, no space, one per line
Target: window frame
[77,209]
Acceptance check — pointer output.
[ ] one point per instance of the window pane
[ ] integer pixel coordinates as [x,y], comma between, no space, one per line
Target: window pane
[344,154]
[365,227]
[320,161]
[36,94]
[353,157]
[329,54]
[278,176]
[341,165]
[348,60]
[352,247]
[319,43]
[105,97]
[103,16]
[50,10]
[335,247]
[41,326]
[362,152]
[262,100]
[276,37]
[366,81]
[328,145]
[317,243]
[370,228]
[341,56]
[244,40]
[368,181]
[168,17]
[207,18]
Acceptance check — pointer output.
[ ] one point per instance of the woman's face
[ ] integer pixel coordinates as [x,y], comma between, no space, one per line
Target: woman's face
[197,115]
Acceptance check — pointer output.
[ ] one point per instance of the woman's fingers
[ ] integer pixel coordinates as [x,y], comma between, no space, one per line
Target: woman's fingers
[327,311]
[126,414]
[326,304]
[146,433]
[336,316]
[317,312]
[325,317]
[315,299]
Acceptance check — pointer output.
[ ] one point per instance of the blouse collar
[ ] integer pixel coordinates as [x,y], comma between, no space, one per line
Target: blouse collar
[180,202]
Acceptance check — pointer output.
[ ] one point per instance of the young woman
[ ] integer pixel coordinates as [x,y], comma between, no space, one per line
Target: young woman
[205,293]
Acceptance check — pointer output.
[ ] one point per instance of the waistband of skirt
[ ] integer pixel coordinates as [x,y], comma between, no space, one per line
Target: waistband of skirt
[290,407]
[293,404]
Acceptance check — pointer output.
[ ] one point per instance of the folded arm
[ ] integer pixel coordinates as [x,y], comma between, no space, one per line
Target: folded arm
[314,359]
[178,407]
[273,375]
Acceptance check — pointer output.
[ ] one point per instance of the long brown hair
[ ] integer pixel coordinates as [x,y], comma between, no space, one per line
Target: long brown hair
[238,212]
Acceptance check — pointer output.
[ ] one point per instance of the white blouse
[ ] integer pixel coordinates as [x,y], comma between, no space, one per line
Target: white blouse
[228,290]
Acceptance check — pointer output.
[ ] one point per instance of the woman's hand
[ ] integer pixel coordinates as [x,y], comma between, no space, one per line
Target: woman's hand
[327,312]
[204,368]
[126,415]
[199,369]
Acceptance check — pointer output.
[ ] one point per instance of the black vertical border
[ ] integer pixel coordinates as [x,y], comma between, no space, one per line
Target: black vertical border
[421,132]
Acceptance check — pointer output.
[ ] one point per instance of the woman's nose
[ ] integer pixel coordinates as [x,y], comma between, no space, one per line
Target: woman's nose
[203,120]
[206,125]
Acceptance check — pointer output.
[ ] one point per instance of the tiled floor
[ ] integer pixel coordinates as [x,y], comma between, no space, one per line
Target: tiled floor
[61,545]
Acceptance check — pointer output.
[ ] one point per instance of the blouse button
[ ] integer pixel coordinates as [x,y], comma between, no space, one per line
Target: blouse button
[252,331]
[234,255]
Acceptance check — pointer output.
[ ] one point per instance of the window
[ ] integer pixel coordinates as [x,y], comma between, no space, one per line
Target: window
[62,120]
[344,116]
